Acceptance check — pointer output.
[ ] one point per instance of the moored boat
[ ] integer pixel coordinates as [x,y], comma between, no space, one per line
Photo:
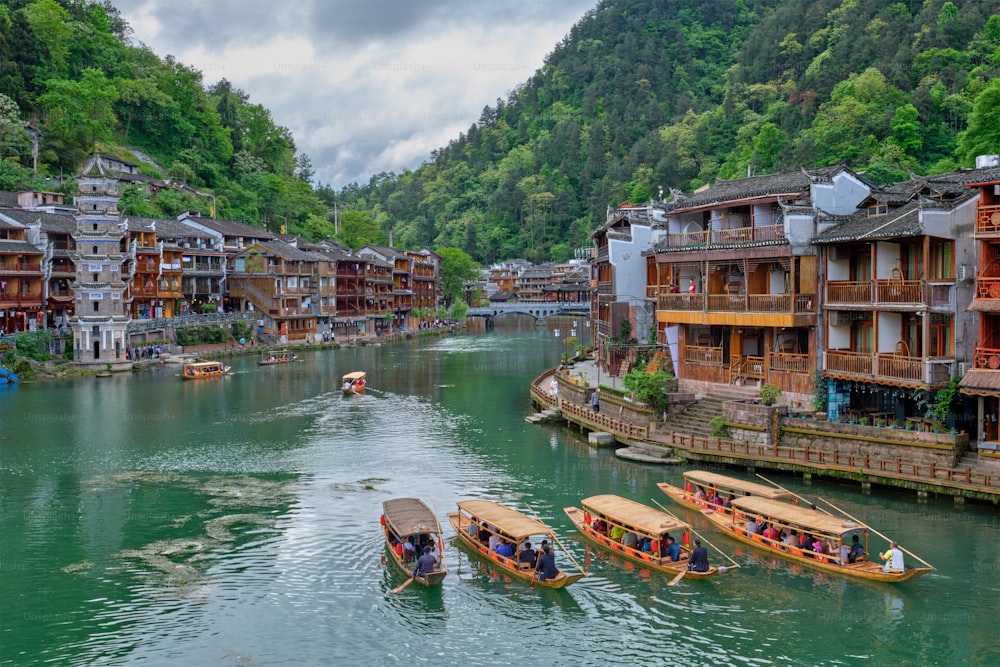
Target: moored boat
[277,357]
[411,520]
[603,514]
[709,490]
[823,540]
[477,521]
[199,370]
[353,383]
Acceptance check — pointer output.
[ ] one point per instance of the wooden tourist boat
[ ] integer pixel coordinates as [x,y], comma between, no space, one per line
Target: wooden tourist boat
[719,486]
[830,531]
[199,370]
[277,357]
[410,519]
[490,518]
[353,383]
[601,513]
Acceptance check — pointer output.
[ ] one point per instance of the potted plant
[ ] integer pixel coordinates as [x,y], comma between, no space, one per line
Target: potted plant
[863,421]
[909,424]
[880,422]
[937,426]
[769,393]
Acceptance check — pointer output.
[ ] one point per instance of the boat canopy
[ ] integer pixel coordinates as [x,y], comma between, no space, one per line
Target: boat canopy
[504,519]
[717,481]
[354,376]
[410,516]
[797,517]
[631,513]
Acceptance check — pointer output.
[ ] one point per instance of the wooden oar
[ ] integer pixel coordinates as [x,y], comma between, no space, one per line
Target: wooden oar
[805,500]
[887,539]
[673,582]
[404,584]
[556,538]
[697,534]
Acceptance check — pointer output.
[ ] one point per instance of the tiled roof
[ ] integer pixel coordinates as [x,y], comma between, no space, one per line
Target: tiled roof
[288,251]
[897,223]
[233,228]
[8,199]
[757,186]
[20,247]
[169,229]
[51,222]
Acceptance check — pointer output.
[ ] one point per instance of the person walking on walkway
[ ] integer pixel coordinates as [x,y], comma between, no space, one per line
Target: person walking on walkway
[595,400]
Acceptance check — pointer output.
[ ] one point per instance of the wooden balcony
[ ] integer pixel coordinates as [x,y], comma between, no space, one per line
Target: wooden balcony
[988,287]
[879,291]
[880,366]
[703,354]
[734,236]
[789,362]
[987,358]
[988,220]
[736,303]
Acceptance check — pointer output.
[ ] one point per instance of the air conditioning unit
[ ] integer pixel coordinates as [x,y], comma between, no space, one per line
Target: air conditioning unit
[960,368]
[840,318]
[964,273]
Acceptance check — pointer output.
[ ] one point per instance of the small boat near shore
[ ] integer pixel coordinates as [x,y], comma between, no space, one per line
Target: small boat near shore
[353,383]
[604,513]
[277,357]
[477,520]
[411,520]
[714,485]
[200,370]
[832,534]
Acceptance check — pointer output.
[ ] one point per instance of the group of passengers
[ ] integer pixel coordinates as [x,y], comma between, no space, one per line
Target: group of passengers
[810,545]
[526,557]
[422,550]
[665,547]
[711,498]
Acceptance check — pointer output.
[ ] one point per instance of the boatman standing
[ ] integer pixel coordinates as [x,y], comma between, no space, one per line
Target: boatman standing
[546,568]
[698,562]
[425,564]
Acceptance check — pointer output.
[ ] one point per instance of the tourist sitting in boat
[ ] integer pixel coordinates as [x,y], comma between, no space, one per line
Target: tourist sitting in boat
[617,532]
[505,549]
[546,568]
[425,564]
[484,534]
[857,552]
[673,550]
[792,539]
[473,529]
[770,532]
[893,559]
[753,526]
[600,526]
[818,546]
[805,541]
[699,558]
[630,540]
[409,551]
[699,495]
[729,501]
[528,555]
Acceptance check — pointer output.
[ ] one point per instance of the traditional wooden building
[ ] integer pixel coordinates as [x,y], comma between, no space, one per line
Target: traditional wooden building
[277,281]
[895,324]
[981,381]
[22,277]
[738,276]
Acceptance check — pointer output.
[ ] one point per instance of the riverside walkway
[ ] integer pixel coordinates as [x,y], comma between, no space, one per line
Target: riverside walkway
[962,482]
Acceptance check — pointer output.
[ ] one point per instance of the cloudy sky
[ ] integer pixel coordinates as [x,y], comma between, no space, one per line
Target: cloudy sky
[364,85]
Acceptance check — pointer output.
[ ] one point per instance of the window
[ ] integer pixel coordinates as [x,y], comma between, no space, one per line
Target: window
[862,337]
[97,306]
[878,209]
[941,263]
[940,333]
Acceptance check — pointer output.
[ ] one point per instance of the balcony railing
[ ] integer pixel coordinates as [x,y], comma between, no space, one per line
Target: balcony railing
[875,366]
[987,358]
[988,287]
[878,291]
[739,303]
[789,362]
[703,354]
[988,219]
[732,236]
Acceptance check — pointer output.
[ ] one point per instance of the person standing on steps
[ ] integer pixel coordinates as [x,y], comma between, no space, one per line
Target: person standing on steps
[595,400]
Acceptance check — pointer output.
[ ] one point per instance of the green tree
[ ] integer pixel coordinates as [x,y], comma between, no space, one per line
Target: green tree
[983,134]
[457,267]
[79,112]
[52,25]
[906,129]
[14,141]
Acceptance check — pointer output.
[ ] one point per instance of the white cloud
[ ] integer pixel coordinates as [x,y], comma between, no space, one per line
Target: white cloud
[364,85]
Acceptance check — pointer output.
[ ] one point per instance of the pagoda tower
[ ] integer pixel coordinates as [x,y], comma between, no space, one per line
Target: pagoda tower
[104,262]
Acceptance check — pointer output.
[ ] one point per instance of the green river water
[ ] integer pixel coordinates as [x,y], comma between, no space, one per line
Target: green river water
[147,520]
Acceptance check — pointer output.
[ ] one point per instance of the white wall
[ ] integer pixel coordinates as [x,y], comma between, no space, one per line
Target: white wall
[890,327]
[839,338]
[886,259]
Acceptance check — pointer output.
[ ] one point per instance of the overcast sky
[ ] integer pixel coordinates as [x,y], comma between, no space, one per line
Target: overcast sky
[364,85]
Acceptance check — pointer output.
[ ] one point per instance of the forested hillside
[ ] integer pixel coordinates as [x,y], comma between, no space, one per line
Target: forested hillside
[640,95]
[644,94]
[68,68]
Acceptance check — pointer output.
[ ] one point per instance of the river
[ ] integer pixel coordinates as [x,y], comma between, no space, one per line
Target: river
[234,522]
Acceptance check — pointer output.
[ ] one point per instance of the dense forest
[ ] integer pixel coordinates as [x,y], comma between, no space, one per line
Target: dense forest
[642,96]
